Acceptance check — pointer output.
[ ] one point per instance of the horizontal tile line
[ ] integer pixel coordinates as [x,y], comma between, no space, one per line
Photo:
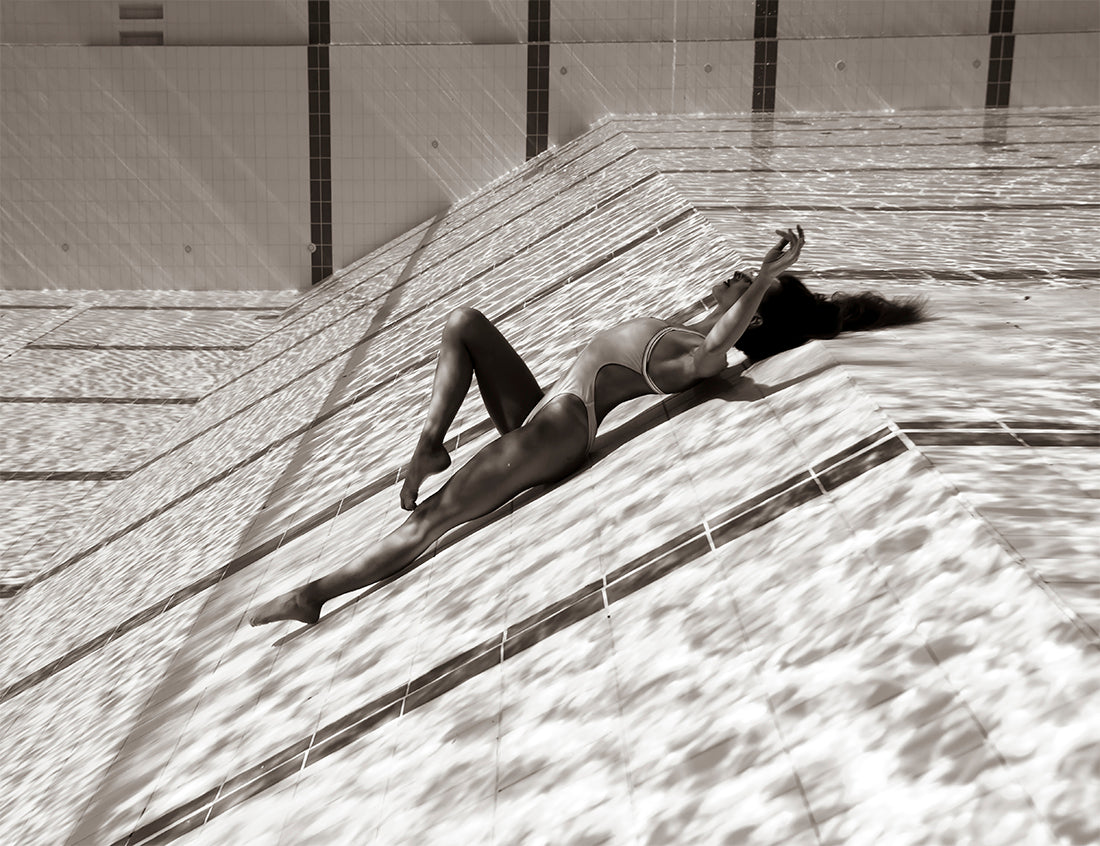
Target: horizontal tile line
[856,170]
[892,207]
[860,463]
[878,146]
[138,347]
[1035,433]
[63,475]
[465,665]
[104,400]
[277,309]
[820,123]
[970,437]
[942,274]
[855,448]
[1060,439]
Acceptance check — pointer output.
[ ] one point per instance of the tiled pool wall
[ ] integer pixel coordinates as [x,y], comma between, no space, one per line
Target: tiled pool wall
[340,126]
[893,531]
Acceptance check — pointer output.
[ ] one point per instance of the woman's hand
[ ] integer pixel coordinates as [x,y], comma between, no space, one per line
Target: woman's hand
[776,261]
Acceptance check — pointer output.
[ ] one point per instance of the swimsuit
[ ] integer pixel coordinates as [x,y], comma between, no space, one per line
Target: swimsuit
[629,344]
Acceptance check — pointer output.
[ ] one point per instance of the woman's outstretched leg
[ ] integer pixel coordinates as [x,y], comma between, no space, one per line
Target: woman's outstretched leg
[471,345]
[549,448]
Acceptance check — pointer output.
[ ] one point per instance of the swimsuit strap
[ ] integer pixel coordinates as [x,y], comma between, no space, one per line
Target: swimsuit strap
[652,344]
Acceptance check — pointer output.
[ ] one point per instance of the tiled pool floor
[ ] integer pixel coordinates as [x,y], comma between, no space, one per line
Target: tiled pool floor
[850,595]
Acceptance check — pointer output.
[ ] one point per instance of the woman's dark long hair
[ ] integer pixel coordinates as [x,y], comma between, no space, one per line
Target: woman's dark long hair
[793,314]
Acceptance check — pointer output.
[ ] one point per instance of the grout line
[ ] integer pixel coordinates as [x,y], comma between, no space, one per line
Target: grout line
[894,207]
[710,538]
[863,146]
[105,400]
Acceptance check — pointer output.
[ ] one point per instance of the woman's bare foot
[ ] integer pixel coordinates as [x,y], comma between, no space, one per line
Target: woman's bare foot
[289,606]
[426,460]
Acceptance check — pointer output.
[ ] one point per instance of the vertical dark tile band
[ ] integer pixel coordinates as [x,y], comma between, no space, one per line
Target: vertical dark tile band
[1002,44]
[320,142]
[538,76]
[766,55]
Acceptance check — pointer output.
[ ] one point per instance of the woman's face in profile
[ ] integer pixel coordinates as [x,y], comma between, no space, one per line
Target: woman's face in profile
[730,291]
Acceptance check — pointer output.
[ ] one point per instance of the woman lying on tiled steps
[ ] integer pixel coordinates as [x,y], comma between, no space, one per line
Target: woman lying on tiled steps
[545,436]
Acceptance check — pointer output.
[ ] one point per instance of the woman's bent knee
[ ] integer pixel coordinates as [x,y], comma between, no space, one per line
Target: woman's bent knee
[462,320]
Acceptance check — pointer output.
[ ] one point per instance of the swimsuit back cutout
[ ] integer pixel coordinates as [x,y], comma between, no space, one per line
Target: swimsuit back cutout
[629,344]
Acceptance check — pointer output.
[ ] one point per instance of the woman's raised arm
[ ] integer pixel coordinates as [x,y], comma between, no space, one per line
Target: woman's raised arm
[710,357]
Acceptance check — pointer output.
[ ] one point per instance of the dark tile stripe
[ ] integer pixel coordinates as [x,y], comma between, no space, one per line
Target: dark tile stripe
[1050,425]
[1033,433]
[1002,44]
[106,400]
[858,446]
[766,55]
[439,683]
[471,662]
[174,816]
[63,475]
[855,169]
[858,464]
[252,788]
[948,275]
[893,207]
[1057,439]
[946,437]
[791,125]
[544,613]
[758,499]
[924,425]
[767,511]
[728,521]
[538,76]
[334,742]
[320,141]
[574,613]
[658,566]
[273,310]
[134,347]
[1052,142]
[365,713]
[455,663]
[36,307]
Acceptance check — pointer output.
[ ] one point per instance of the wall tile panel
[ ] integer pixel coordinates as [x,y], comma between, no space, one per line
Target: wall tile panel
[1056,69]
[198,147]
[861,19]
[882,74]
[416,128]
[1033,16]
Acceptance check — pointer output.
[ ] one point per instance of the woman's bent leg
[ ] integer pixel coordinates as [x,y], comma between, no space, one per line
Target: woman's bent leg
[471,345]
[548,449]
